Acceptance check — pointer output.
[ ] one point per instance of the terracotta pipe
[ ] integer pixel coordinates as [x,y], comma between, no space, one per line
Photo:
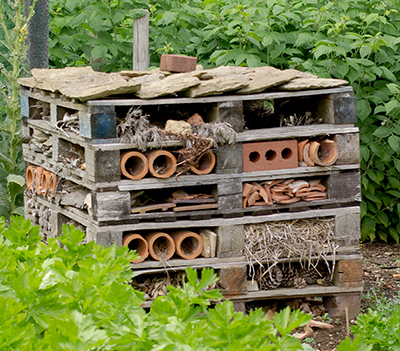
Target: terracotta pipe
[30,176]
[306,155]
[134,165]
[162,163]
[139,244]
[206,163]
[189,245]
[38,179]
[324,152]
[161,246]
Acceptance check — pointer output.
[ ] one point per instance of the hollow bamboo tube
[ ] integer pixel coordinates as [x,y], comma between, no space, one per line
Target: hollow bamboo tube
[324,152]
[30,176]
[134,165]
[137,242]
[189,245]
[161,245]
[162,163]
[206,163]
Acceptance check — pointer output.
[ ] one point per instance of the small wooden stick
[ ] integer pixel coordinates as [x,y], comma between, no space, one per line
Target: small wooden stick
[347,322]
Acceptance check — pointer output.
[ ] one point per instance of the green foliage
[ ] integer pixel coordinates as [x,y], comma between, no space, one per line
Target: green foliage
[380,328]
[13,30]
[78,297]
[356,41]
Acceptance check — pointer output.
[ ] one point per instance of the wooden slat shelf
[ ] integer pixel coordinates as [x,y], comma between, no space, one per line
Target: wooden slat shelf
[219,98]
[286,293]
[290,293]
[150,267]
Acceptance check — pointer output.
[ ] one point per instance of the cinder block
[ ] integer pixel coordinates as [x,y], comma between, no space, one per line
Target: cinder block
[233,280]
[270,155]
[178,63]
[230,241]
[336,305]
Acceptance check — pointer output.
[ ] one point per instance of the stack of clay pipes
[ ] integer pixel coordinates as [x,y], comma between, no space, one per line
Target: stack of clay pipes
[162,246]
[160,163]
[40,180]
[282,192]
[317,153]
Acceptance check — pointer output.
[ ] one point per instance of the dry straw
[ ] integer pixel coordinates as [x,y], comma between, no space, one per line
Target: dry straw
[304,240]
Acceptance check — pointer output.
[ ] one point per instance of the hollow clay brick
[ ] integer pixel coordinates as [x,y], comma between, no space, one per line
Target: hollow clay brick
[177,63]
[270,155]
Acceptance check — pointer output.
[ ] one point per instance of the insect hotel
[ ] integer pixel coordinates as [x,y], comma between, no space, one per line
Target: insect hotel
[253,172]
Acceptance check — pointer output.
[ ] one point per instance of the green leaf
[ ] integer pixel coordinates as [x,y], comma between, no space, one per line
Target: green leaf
[99,52]
[382,132]
[393,88]
[363,109]
[394,143]
[356,345]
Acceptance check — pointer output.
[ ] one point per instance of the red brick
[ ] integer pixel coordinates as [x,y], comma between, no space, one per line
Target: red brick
[270,155]
[177,63]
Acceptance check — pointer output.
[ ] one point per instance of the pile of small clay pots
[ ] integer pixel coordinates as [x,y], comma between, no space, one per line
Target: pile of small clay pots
[40,180]
[162,246]
[323,152]
[282,192]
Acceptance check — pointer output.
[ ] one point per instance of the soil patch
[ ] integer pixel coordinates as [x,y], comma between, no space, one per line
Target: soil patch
[379,266]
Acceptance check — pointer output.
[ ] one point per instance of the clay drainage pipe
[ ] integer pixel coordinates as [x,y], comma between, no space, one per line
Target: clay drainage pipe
[134,165]
[324,152]
[206,163]
[189,245]
[48,183]
[137,242]
[161,246]
[30,176]
[162,163]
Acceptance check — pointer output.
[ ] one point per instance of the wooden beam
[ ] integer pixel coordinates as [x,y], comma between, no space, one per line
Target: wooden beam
[141,43]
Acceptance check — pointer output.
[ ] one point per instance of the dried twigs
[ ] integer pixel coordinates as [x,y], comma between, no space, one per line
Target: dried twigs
[306,240]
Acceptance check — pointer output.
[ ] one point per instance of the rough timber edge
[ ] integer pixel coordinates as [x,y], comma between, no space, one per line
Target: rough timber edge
[152,267]
[214,222]
[286,293]
[219,98]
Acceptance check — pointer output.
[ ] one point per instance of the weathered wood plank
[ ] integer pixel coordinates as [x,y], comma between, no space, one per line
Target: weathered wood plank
[233,280]
[349,148]
[229,159]
[347,229]
[111,205]
[295,132]
[339,108]
[55,100]
[102,166]
[221,98]
[284,293]
[230,241]
[342,185]
[141,43]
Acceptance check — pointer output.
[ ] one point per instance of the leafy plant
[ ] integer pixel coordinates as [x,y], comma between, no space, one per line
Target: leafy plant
[78,297]
[14,31]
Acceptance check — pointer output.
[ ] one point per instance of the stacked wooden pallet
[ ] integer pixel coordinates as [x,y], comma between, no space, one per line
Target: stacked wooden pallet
[93,193]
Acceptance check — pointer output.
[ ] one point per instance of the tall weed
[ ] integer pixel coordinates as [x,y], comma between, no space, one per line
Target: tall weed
[13,27]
